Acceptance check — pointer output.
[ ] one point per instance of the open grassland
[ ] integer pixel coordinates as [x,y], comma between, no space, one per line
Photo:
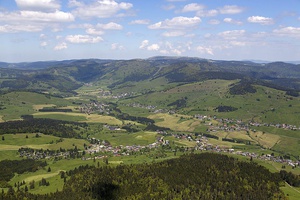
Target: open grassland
[285,141]
[121,138]
[266,105]
[80,117]
[239,135]
[17,104]
[175,122]
[16,141]
[56,182]
[291,193]
[224,144]
[266,140]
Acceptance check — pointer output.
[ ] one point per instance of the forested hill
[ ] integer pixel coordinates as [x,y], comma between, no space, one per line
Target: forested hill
[67,76]
[195,176]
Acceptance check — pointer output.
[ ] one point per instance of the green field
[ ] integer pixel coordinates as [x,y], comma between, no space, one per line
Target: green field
[16,141]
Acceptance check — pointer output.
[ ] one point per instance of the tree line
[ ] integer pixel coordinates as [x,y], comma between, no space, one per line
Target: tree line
[193,176]
[53,127]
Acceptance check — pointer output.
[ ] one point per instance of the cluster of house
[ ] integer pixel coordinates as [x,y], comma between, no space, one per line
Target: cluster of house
[138,105]
[38,154]
[152,108]
[238,125]
[103,149]
[122,95]
[203,145]
[95,107]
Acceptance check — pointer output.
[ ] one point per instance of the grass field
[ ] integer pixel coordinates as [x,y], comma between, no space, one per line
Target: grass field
[266,105]
[121,138]
[16,141]
[80,117]
[175,122]
[266,140]
[291,193]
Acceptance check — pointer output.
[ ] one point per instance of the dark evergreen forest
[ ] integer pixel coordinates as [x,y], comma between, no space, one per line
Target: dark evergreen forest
[194,176]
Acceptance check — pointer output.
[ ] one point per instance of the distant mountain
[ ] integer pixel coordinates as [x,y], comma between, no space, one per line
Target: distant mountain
[62,76]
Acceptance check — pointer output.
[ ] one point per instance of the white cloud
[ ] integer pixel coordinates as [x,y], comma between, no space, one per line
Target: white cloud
[43,44]
[110,26]
[99,29]
[153,47]
[177,23]
[36,16]
[231,9]
[43,36]
[232,21]
[260,20]
[116,46]
[93,31]
[237,43]
[214,21]
[144,44]
[207,13]
[288,31]
[173,33]
[20,28]
[192,7]
[100,8]
[205,50]
[232,35]
[38,5]
[140,21]
[83,39]
[61,46]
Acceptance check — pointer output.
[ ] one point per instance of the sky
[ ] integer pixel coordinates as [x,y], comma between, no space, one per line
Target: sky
[40,30]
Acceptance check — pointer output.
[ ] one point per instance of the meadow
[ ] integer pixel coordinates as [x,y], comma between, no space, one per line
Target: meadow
[266,105]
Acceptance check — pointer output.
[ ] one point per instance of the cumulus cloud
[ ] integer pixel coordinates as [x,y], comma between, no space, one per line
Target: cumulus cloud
[232,21]
[110,26]
[153,47]
[116,46]
[37,16]
[38,5]
[173,33]
[260,20]
[288,31]
[83,39]
[234,34]
[140,21]
[237,43]
[61,46]
[144,44]
[205,50]
[93,31]
[231,9]
[192,7]
[177,23]
[43,44]
[150,47]
[20,28]
[207,13]
[99,9]
[99,29]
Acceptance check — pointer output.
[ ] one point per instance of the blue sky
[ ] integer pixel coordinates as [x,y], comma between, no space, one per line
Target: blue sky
[34,30]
